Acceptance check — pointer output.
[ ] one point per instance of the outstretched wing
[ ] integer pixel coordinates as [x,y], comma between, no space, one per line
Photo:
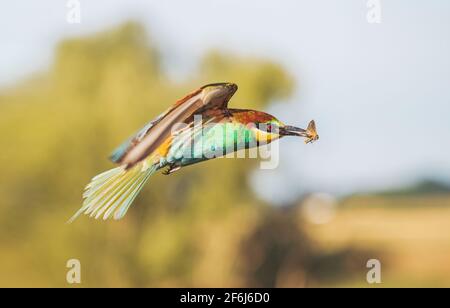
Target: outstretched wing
[118,154]
[156,132]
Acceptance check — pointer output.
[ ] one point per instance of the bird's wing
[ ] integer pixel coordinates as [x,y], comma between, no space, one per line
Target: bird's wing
[118,154]
[152,135]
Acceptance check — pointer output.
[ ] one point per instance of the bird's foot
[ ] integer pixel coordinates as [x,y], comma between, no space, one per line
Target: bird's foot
[171,169]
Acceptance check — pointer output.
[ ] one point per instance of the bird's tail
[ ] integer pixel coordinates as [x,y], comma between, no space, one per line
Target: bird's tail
[111,193]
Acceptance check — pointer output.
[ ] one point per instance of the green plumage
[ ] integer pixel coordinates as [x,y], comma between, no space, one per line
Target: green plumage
[213,141]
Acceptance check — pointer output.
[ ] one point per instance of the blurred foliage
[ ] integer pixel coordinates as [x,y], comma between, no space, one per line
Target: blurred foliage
[202,226]
[412,233]
[426,187]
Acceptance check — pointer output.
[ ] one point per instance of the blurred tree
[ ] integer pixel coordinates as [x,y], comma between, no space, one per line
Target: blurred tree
[279,253]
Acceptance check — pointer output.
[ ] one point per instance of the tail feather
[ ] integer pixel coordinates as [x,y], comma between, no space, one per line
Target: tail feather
[110,194]
[119,198]
[116,195]
[130,196]
[109,190]
[113,191]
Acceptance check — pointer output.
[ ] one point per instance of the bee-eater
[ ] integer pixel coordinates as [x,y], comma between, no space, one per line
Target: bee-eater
[174,140]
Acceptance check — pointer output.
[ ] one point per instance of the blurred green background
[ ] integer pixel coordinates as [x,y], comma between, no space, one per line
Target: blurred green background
[204,226]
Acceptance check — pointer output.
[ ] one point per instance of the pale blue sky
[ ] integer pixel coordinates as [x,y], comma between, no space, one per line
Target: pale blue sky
[380,93]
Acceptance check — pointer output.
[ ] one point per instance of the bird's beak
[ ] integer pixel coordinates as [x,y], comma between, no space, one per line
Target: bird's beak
[310,133]
[292,131]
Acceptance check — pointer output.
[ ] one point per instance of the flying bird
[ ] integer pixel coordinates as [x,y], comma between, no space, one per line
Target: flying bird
[175,139]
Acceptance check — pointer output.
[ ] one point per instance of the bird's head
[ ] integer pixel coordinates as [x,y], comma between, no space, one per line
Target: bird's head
[218,91]
[268,128]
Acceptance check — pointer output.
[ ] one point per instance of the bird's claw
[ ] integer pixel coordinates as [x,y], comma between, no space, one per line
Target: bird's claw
[171,169]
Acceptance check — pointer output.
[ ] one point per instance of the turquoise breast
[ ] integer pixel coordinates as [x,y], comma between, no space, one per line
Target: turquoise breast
[195,145]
